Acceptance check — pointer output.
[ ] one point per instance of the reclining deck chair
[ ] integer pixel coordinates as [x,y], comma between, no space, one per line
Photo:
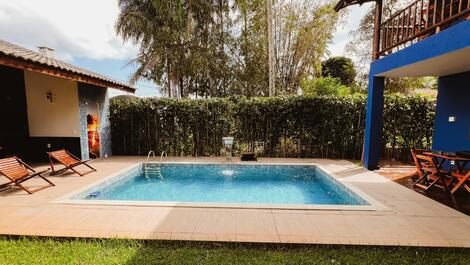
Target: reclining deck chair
[18,172]
[69,162]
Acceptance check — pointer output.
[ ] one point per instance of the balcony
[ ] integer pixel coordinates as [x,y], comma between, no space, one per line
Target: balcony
[418,21]
[436,35]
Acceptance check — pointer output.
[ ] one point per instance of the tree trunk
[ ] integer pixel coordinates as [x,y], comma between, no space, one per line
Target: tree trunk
[271,59]
[174,85]
[168,77]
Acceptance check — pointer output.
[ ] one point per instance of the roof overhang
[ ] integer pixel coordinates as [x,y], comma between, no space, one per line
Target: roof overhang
[345,3]
[443,65]
[48,70]
[15,56]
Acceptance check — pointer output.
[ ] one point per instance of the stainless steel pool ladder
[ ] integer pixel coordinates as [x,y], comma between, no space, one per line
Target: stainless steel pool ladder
[155,167]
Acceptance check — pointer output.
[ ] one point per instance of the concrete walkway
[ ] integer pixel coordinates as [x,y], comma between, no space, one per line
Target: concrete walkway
[410,218]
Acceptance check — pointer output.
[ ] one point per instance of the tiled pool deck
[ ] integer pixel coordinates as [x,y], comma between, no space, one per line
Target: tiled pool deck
[409,218]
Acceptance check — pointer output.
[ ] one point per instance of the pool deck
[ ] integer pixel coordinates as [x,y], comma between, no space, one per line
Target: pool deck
[409,218]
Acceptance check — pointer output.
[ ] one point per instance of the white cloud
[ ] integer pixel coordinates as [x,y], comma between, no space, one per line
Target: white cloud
[343,34]
[78,28]
[85,28]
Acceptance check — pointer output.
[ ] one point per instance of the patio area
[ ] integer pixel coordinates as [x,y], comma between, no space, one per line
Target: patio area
[409,218]
[404,174]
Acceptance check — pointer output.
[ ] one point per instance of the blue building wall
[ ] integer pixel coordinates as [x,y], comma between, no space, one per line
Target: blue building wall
[453,99]
[93,95]
[374,121]
[452,39]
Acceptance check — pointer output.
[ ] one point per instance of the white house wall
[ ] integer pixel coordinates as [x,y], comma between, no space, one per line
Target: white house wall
[59,118]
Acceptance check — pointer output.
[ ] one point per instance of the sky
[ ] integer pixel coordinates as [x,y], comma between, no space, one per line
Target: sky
[82,33]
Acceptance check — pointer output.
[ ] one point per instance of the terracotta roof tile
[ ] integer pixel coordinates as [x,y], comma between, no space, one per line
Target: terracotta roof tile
[18,52]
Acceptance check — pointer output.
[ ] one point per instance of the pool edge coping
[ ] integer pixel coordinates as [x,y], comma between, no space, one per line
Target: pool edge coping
[374,205]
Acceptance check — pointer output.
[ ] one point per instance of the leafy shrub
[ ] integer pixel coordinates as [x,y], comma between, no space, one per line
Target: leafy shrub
[340,67]
[324,86]
[300,126]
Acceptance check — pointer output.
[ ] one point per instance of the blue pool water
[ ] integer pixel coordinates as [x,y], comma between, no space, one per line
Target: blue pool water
[201,183]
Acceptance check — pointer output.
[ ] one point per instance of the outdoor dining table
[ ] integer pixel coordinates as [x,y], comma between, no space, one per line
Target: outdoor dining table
[459,162]
[454,160]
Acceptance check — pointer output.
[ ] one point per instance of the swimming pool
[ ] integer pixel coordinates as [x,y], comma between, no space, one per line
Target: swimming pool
[225,184]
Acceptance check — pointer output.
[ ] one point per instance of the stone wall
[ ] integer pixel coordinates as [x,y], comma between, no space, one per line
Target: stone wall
[89,95]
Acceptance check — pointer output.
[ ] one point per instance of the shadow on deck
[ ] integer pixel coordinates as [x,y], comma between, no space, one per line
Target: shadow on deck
[403,174]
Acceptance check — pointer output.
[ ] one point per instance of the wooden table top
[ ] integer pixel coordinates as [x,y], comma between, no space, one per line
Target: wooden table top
[447,157]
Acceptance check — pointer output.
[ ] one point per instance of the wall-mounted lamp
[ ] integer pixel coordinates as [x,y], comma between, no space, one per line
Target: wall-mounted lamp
[50,97]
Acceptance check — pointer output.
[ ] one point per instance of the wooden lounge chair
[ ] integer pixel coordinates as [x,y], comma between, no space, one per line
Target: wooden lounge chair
[18,172]
[69,162]
[463,180]
[429,173]
[419,172]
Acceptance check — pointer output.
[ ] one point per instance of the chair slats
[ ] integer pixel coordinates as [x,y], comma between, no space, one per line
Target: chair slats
[68,160]
[18,172]
[63,157]
[430,174]
[12,168]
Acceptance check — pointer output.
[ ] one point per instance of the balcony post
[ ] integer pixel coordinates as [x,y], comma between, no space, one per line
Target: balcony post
[377,22]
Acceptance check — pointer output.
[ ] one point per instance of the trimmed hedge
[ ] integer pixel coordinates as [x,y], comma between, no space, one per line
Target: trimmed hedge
[299,126]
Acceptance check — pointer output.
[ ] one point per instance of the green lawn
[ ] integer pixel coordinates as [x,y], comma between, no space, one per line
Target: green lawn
[80,251]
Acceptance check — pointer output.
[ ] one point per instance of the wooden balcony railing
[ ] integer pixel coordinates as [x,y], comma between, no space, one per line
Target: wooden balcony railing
[418,21]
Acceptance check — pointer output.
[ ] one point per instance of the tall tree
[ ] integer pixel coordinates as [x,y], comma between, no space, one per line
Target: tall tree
[340,67]
[169,36]
[362,38]
[220,47]
[250,49]
[303,30]
[361,47]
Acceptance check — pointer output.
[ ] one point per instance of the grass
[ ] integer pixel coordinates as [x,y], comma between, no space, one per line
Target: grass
[113,251]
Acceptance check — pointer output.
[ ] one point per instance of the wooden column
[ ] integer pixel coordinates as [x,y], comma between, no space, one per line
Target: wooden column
[377,22]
